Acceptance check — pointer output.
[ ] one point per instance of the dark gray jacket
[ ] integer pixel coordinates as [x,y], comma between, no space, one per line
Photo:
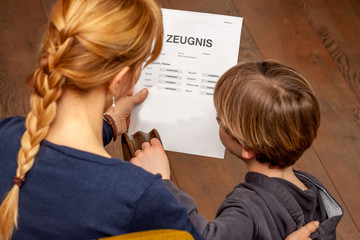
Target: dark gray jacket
[267,208]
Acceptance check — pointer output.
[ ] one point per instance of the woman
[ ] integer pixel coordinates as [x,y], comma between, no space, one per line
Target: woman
[62,184]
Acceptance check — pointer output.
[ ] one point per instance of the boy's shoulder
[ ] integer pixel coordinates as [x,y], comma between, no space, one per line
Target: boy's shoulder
[259,189]
[252,191]
[308,177]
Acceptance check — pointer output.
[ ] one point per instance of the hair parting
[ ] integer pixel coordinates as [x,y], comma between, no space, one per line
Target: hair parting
[270,108]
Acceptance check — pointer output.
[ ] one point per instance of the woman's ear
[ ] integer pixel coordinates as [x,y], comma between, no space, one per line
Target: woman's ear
[119,80]
[247,153]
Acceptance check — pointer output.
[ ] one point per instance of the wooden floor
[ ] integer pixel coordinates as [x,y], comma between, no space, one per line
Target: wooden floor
[321,39]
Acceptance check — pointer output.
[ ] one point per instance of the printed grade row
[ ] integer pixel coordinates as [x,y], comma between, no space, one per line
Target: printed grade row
[166,77]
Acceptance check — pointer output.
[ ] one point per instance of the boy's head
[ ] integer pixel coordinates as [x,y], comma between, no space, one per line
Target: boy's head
[269,108]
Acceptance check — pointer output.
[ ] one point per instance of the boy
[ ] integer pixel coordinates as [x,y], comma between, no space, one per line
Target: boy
[268,116]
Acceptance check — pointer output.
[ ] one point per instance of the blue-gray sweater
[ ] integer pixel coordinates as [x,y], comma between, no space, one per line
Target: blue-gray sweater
[71,194]
[267,208]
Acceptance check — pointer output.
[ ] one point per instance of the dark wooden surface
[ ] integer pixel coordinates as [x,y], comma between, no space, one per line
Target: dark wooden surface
[321,39]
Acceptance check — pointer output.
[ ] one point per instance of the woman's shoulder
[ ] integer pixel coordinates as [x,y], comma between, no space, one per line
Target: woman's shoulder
[112,171]
[12,123]
[137,176]
[12,127]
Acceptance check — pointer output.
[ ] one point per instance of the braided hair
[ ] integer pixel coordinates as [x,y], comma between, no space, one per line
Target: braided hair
[85,44]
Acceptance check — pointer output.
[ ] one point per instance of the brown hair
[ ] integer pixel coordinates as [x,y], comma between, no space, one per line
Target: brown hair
[85,45]
[270,108]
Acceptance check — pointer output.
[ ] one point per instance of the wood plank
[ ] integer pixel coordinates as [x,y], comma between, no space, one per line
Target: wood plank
[340,35]
[282,32]
[248,49]
[20,22]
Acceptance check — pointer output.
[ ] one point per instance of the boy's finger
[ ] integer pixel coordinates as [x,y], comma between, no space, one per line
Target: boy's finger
[304,232]
[312,226]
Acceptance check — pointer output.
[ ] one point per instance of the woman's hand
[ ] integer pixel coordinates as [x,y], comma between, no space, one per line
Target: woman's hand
[304,232]
[152,158]
[123,108]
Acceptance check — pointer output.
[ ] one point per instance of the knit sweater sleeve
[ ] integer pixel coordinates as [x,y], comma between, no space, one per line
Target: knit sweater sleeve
[158,209]
[233,220]
[107,133]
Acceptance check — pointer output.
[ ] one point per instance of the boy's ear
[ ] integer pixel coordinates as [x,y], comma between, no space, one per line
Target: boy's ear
[119,78]
[247,153]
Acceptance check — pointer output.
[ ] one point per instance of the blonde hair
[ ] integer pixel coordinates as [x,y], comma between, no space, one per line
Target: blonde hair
[86,43]
[270,108]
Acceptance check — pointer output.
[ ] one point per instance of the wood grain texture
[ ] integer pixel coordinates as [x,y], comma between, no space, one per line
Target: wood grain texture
[282,32]
[340,35]
[19,37]
[248,49]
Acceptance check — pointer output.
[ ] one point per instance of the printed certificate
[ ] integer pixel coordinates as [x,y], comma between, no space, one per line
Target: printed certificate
[197,49]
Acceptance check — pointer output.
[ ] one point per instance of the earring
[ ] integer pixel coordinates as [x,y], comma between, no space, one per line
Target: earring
[113,103]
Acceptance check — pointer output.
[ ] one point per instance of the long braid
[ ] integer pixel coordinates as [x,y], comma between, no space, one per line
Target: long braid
[85,45]
[47,89]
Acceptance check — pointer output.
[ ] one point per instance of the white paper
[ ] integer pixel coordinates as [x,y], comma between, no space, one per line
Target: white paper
[197,49]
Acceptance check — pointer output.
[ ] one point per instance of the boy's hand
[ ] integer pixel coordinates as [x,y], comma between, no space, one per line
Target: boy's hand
[123,108]
[152,158]
[304,232]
